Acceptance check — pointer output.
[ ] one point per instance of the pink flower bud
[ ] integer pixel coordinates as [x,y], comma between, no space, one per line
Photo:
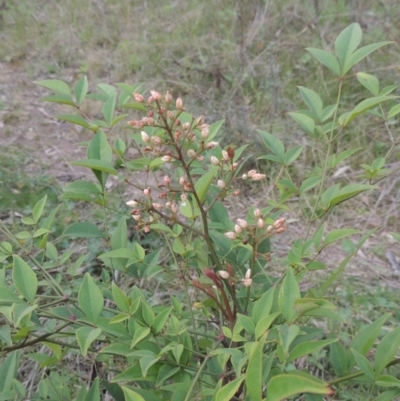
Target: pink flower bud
[186,126]
[146,229]
[156,95]
[258,177]
[168,97]
[214,160]
[221,184]
[230,235]
[150,100]
[132,203]
[279,223]
[179,104]
[225,155]
[247,282]
[177,135]
[224,274]
[257,213]
[242,223]
[211,145]
[147,191]
[237,192]
[170,115]
[166,158]
[167,180]
[174,208]
[156,140]
[182,181]
[260,223]
[205,132]
[251,173]
[145,137]
[200,158]
[238,229]
[138,97]
[191,153]
[157,206]
[200,121]
[280,230]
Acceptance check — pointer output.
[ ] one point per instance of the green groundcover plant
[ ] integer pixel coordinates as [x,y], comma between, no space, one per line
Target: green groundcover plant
[236,322]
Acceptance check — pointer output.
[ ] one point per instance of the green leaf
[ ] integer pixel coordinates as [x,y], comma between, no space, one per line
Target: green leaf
[337,235]
[120,298]
[73,119]
[369,81]
[387,381]
[83,230]
[308,347]
[90,299]
[312,100]
[288,293]
[119,238]
[393,111]
[325,58]
[9,370]
[349,191]
[275,145]
[60,99]
[253,376]
[94,392]
[109,108]
[292,154]
[339,359]
[387,350]
[131,395]
[262,307]
[264,324]
[364,364]
[359,54]
[310,183]
[346,43]
[38,209]
[140,334]
[214,129]
[305,122]
[228,391]
[55,85]
[366,105]
[7,297]
[82,186]
[85,336]
[281,387]
[95,164]
[80,89]
[160,320]
[203,183]
[24,278]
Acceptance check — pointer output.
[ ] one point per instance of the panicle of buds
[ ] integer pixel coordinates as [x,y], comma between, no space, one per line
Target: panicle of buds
[138,97]
[168,97]
[156,95]
[179,104]
[258,177]
[230,235]
[224,274]
[166,158]
[221,184]
[211,145]
[238,229]
[242,223]
[136,123]
[132,203]
[214,160]
[167,180]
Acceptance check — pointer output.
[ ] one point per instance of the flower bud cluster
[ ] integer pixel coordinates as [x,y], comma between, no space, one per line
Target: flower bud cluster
[254,175]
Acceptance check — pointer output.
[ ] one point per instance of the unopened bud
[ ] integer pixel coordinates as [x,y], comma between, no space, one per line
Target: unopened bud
[211,145]
[244,176]
[205,132]
[260,223]
[231,153]
[177,135]
[182,180]
[132,203]
[150,100]
[166,158]
[224,274]
[242,223]
[200,120]
[174,208]
[168,97]
[146,229]
[230,270]
[257,213]
[157,206]
[191,153]
[156,95]
[200,158]
[179,104]
[248,273]
[145,137]
[237,192]
[270,229]
[247,282]
[225,155]
[138,97]
[238,229]
[251,173]
[235,166]
[167,180]
[279,223]
[230,235]
[168,205]
[156,140]
[186,126]
[150,121]
[183,197]
[221,184]
[170,115]
[147,191]
[258,177]
[214,160]
[280,230]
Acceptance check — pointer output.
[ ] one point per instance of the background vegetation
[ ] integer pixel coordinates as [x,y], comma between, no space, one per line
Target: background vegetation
[235,60]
